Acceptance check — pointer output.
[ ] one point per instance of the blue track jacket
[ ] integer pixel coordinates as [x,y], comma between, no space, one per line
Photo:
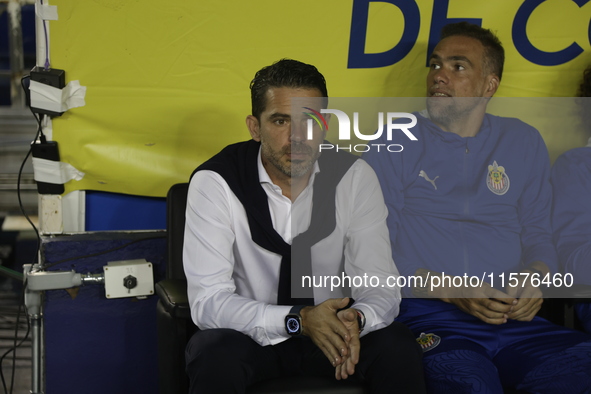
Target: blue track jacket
[475,205]
[571,212]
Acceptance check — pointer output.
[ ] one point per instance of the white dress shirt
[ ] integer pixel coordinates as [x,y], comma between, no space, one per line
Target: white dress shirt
[232,281]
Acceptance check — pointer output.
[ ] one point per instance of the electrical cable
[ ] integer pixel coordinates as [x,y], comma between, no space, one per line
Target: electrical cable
[39,134]
[16,346]
[5,271]
[42,138]
[2,374]
[47,65]
[21,306]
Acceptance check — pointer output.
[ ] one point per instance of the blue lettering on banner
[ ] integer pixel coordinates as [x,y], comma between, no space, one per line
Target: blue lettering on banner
[528,50]
[357,56]
[439,19]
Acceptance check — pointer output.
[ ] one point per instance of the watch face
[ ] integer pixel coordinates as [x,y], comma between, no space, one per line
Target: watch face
[293,325]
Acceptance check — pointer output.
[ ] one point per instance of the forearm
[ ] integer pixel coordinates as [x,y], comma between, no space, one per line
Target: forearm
[263,322]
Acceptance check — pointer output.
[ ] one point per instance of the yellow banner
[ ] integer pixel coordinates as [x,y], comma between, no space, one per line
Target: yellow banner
[167,82]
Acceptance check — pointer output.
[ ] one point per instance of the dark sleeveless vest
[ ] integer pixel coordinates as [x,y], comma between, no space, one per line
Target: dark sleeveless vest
[237,164]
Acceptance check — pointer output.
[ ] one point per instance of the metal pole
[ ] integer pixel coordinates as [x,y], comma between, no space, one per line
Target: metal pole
[36,345]
[34,307]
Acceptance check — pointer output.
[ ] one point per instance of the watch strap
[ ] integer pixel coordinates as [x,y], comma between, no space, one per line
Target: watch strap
[296,309]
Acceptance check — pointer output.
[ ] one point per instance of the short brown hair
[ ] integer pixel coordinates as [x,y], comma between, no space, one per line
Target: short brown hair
[493,49]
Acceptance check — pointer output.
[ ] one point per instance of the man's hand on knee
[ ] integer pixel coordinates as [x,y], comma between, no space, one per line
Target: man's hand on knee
[327,331]
[530,299]
[490,305]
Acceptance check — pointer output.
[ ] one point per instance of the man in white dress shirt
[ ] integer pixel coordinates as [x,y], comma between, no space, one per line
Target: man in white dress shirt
[247,206]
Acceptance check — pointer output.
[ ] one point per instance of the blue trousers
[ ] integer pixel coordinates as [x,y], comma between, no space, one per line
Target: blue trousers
[227,361]
[476,357]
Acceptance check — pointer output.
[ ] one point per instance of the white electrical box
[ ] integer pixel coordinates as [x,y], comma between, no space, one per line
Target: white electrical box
[129,278]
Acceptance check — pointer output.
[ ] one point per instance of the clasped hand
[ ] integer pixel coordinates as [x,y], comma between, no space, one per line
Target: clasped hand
[335,332]
[520,302]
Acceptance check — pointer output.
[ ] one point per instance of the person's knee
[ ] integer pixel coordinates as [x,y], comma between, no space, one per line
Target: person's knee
[391,360]
[397,339]
[568,371]
[461,371]
[393,348]
[214,359]
[208,347]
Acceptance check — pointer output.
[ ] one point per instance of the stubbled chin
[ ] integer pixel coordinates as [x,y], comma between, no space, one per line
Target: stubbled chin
[300,167]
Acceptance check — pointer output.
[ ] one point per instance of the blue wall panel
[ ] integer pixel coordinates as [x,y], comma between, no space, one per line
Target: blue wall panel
[113,211]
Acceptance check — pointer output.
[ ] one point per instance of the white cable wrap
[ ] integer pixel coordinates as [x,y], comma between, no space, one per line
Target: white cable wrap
[58,100]
[56,172]
[46,12]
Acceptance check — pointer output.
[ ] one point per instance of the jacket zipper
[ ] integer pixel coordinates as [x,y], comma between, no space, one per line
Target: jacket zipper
[466,208]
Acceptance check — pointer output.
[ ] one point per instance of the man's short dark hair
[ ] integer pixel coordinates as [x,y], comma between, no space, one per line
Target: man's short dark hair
[493,49]
[584,102]
[585,87]
[284,73]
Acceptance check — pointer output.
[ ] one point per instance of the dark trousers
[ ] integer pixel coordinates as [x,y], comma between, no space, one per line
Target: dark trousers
[227,361]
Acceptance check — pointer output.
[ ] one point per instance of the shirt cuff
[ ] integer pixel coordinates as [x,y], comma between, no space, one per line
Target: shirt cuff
[275,323]
[370,320]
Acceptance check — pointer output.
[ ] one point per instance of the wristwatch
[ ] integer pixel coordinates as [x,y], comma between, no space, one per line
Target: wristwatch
[293,321]
[360,320]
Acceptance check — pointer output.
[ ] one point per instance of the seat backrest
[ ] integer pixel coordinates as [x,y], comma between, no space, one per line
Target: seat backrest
[176,204]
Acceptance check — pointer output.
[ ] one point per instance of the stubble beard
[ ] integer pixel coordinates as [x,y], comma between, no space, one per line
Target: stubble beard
[294,168]
[448,110]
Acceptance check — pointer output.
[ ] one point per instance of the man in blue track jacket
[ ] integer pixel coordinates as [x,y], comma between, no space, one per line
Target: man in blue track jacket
[471,199]
[571,208]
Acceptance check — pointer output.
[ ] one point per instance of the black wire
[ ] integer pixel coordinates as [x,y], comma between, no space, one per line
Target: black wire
[2,375]
[39,134]
[46,65]
[16,346]
[21,305]
[102,252]
[20,202]
[24,286]
[12,274]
